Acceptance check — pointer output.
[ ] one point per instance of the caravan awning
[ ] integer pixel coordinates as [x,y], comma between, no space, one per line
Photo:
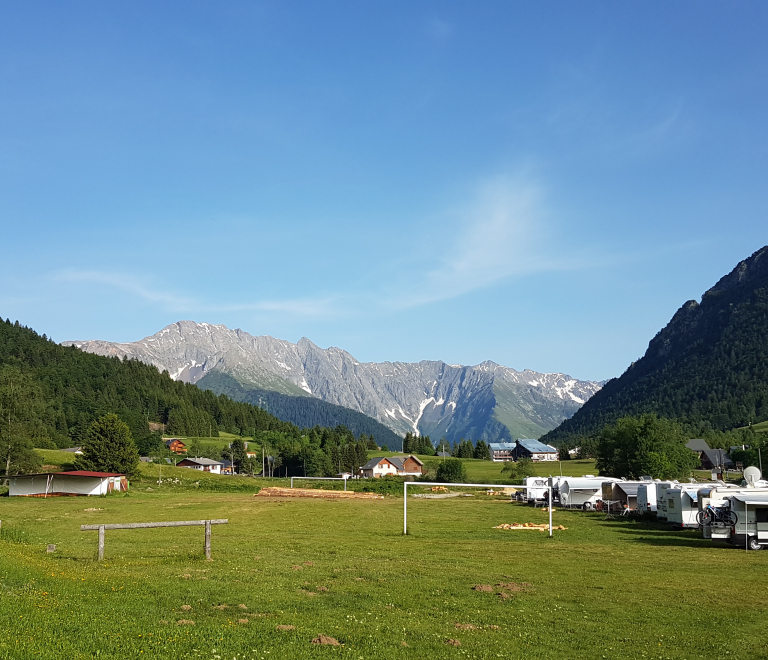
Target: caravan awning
[752,500]
[629,488]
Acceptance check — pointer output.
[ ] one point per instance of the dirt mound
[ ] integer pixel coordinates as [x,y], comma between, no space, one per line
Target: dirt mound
[326,641]
[482,587]
[274,491]
[453,642]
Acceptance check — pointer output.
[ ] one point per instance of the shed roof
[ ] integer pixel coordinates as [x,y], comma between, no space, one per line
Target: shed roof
[200,461]
[536,446]
[72,473]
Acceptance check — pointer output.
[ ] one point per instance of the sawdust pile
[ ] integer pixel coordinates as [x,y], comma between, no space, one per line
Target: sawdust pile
[308,492]
[542,528]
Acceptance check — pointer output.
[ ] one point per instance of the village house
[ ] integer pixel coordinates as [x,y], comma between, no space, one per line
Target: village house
[176,445]
[400,466]
[502,451]
[716,459]
[535,450]
[202,464]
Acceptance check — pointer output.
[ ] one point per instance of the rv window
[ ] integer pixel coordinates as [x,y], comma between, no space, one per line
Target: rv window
[761,515]
[671,504]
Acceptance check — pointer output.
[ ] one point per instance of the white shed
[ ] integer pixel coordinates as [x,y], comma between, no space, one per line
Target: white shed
[77,482]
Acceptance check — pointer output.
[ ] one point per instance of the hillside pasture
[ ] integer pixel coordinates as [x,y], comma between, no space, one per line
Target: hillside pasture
[286,571]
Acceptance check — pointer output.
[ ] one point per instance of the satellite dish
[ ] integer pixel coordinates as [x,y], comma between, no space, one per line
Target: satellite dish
[751,475]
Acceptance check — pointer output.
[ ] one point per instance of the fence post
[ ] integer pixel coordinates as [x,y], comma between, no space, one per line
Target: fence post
[405,508]
[101,542]
[207,539]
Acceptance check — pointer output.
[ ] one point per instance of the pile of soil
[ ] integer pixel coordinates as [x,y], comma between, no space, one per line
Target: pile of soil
[309,492]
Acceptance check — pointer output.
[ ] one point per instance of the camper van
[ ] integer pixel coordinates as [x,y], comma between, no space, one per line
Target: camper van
[580,492]
[719,496]
[751,529]
[683,503]
[536,489]
[650,496]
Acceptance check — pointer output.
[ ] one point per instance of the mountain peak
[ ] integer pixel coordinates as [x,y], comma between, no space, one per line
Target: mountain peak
[428,397]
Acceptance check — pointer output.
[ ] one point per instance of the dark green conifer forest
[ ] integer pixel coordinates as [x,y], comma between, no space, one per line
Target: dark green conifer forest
[50,395]
[707,369]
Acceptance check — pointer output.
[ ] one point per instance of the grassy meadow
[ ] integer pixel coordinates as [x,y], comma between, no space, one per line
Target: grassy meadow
[600,589]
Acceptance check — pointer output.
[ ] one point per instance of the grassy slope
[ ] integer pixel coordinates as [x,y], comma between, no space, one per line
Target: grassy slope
[762,427]
[616,589]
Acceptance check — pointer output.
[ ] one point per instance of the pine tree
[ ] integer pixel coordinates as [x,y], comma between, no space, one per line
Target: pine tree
[109,447]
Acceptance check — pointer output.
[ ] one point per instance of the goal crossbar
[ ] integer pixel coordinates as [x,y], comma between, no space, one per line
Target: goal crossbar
[344,479]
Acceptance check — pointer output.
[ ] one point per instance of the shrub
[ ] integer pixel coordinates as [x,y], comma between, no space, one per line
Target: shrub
[452,470]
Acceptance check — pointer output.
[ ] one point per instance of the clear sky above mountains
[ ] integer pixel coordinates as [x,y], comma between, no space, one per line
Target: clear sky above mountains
[538,184]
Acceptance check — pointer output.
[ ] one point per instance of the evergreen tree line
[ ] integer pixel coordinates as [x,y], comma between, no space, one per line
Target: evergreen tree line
[303,411]
[50,396]
[413,444]
[317,452]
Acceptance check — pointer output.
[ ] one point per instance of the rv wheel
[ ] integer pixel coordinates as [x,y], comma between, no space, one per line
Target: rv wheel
[754,544]
[587,506]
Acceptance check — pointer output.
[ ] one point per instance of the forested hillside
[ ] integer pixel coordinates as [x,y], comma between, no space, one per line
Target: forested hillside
[304,411]
[51,394]
[708,368]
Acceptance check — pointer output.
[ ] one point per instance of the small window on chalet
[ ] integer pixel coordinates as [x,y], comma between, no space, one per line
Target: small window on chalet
[671,504]
[761,515]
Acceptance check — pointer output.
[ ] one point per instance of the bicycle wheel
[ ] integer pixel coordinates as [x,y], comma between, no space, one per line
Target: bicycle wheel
[704,518]
[730,517]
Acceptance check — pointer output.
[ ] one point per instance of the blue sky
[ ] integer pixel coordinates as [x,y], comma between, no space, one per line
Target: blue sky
[537,184]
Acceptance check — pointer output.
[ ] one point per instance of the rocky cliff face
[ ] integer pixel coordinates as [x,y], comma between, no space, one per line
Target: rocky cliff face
[432,398]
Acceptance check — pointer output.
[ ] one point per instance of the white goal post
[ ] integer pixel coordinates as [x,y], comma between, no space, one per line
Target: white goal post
[445,485]
[344,479]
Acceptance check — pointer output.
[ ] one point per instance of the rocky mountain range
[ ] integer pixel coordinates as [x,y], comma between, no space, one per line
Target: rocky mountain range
[432,398]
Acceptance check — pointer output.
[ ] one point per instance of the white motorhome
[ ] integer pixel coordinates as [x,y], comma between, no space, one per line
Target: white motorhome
[683,504]
[536,489]
[580,492]
[751,529]
[719,496]
[650,496]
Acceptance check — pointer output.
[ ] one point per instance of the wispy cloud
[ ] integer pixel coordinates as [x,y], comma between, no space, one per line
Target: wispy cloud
[501,234]
[503,231]
[128,283]
[184,304]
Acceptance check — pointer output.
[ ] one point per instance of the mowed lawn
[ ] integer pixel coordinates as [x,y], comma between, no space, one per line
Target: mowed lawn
[600,589]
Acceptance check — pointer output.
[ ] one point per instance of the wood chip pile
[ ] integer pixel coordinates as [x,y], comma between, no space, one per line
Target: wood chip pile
[313,492]
[542,528]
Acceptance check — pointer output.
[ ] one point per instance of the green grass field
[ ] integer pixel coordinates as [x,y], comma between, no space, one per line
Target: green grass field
[600,589]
